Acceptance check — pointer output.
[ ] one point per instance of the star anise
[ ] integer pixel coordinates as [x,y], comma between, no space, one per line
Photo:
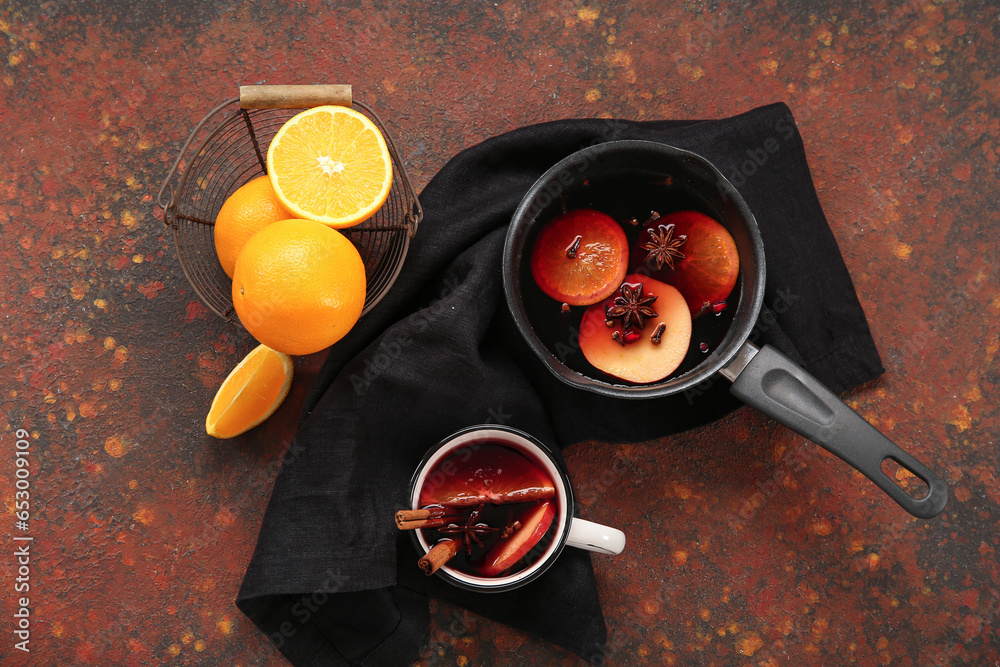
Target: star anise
[470,531]
[664,247]
[631,307]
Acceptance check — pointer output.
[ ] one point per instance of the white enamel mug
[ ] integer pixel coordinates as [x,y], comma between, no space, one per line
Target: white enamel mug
[570,530]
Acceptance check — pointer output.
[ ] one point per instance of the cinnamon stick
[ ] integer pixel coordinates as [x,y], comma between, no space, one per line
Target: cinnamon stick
[425,523]
[526,495]
[442,552]
[428,517]
[459,504]
[410,515]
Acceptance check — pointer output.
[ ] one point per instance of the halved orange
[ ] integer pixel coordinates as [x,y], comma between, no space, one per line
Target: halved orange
[251,393]
[330,164]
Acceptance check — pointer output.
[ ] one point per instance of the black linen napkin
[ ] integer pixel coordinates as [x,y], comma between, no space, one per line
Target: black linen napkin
[332,581]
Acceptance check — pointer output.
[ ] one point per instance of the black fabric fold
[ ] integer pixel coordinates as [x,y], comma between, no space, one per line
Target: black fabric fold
[441,352]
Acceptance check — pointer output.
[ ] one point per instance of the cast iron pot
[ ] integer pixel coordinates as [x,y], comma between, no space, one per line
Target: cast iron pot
[761,377]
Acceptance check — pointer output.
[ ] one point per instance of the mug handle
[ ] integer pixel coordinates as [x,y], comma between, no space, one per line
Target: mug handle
[592,536]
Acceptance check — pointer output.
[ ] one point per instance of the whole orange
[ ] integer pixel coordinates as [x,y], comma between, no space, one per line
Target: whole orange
[252,207]
[299,286]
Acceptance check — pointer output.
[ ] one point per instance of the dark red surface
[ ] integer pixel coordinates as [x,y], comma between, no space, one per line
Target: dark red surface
[747,544]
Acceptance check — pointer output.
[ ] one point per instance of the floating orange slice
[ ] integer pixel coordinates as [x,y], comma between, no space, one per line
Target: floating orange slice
[580,257]
[330,164]
[708,265]
[251,393]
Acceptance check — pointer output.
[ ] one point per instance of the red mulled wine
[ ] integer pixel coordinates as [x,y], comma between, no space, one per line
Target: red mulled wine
[498,502]
[642,203]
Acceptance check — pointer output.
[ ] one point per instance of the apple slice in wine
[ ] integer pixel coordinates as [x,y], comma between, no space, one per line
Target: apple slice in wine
[508,551]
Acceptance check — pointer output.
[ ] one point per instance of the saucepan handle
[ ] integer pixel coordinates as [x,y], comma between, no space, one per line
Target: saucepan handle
[773,384]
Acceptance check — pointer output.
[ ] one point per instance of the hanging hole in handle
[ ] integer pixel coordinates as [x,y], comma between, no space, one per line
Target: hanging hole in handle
[906,479]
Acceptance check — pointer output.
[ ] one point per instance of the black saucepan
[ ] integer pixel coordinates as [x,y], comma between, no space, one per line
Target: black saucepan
[761,377]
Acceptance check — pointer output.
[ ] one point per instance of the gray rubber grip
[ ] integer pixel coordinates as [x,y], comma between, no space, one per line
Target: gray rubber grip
[773,384]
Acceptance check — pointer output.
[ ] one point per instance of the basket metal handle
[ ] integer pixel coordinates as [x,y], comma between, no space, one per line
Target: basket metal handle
[259,97]
[165,197]
[294,97]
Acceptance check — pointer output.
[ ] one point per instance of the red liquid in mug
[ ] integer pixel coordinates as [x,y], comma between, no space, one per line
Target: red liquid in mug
[501,485]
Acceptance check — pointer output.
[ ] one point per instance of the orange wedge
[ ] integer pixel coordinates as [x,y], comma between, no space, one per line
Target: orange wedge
[330,164]
[251,393]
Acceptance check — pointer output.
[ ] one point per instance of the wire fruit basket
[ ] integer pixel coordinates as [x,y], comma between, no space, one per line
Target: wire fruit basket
[229,148]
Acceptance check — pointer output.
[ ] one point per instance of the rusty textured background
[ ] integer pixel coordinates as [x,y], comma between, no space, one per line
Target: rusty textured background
[143,524]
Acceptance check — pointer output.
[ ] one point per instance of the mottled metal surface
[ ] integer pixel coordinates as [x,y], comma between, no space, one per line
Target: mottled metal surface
[143,525]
